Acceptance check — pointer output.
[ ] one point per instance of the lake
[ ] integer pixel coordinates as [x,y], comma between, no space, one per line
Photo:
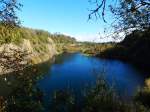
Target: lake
[77,71]
[73,71]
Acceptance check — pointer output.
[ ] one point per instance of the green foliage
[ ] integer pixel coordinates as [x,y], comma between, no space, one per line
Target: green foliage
[64,43]
[134,48]
[94,48]
[24,95]
[62,39]
[8,35]
[100,98]
[143,94]
[63,101]
[38,38]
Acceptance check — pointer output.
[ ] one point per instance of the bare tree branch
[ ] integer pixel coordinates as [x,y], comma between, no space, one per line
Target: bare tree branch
[96,11]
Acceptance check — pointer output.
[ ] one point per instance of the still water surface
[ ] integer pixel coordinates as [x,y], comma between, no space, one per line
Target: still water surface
[77,71]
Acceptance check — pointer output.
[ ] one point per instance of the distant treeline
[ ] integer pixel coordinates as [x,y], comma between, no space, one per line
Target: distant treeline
[17,34]
[61,38]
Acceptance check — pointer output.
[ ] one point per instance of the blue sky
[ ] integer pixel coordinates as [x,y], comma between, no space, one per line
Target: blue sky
[65,16]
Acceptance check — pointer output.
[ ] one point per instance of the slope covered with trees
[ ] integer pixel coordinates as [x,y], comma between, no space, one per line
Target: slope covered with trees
[64,43]
[134,48]
[133,18]
[37,45]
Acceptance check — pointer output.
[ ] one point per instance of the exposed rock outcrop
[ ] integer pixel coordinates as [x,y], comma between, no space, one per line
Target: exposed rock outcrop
[33,56]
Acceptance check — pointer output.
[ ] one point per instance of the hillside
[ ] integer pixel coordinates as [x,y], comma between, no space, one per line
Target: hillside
[64,43]
[134,48]
[35,42]
[39,45]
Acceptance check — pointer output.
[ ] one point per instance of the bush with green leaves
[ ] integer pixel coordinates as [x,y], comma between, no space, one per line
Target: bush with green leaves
[100,98]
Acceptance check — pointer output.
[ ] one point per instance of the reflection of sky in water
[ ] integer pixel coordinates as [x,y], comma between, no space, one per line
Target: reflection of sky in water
[77,71]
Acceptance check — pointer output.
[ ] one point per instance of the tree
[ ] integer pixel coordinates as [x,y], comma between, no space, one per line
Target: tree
[129,14]
[8,10]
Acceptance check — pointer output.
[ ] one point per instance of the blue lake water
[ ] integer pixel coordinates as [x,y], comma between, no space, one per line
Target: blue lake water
[77,71]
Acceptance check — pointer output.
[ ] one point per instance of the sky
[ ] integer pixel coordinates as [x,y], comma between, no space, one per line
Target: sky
[69,17]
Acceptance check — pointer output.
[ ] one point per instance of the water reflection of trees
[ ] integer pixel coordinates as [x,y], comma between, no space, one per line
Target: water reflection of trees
[24,96]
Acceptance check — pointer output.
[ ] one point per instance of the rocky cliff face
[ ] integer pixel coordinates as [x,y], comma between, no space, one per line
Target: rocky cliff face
[40,56]
[33,56]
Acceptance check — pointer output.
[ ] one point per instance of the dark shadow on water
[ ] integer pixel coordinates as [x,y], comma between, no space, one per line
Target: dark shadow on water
[18,90]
